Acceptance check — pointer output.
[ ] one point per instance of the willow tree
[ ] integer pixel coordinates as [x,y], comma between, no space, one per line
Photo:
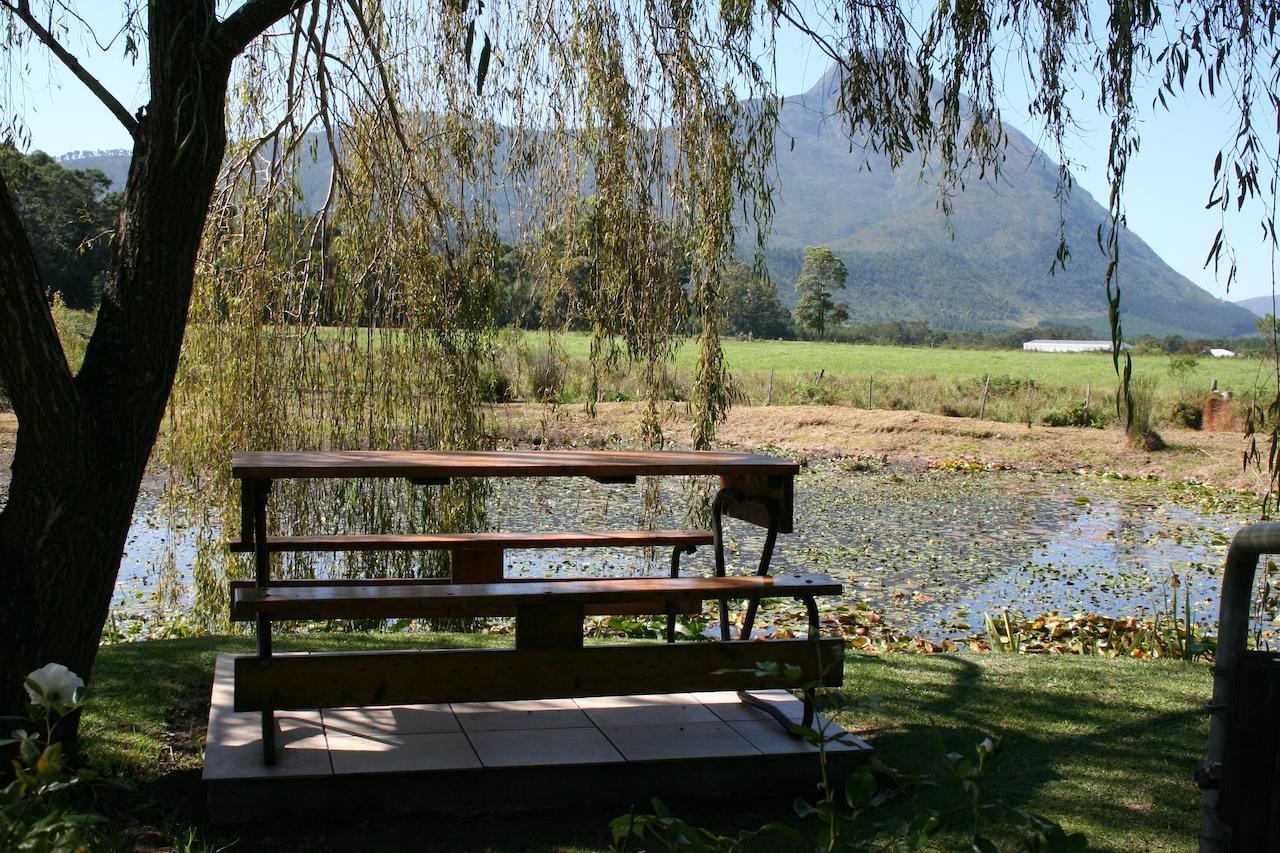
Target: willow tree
[443,119]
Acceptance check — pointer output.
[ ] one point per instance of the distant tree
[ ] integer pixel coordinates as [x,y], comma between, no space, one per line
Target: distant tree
[752,306]
[822,274]
[69,217]
[1172,343]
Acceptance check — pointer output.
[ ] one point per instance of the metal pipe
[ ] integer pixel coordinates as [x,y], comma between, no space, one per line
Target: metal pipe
[1233,635]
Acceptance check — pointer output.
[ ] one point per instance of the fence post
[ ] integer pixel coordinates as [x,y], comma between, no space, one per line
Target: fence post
[768,400]
[986,386]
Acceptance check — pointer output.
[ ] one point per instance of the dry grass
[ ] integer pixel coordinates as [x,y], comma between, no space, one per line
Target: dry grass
[909,438]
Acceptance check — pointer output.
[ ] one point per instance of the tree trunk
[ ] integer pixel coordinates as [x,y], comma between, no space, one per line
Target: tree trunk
[83,444]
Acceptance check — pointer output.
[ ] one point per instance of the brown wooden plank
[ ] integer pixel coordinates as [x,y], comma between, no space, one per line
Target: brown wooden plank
[477,566]
[558,627]
[479,541]
[518,463]
[420,601]
[778,489]
[686,607]
[338,680]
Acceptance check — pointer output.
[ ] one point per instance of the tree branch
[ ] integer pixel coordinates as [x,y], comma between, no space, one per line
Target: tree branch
[32,364]
[23,12]
[251,20]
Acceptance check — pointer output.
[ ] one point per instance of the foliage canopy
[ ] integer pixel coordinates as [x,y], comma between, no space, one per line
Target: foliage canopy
[822,274]
[651,125]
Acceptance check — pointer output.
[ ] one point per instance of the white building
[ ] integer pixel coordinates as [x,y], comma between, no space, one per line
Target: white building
[1221,353]
[1070,346]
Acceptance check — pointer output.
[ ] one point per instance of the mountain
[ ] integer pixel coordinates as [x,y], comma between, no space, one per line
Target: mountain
[1261,306]
[903,263]
[986,268]
[113,163]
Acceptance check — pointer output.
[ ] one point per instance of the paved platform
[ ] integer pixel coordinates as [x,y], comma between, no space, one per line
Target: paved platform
[481,757]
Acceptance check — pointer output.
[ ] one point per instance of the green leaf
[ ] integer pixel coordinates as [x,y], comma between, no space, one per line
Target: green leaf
[860,788]
[482,70]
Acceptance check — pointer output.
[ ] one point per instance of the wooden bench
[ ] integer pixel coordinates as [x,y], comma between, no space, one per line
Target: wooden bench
[549,659]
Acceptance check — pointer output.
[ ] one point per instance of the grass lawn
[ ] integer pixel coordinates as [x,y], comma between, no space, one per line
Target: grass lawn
[861,360]
[1106,747]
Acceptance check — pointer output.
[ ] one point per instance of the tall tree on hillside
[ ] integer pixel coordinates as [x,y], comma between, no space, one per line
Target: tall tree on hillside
[820,277]
[69,215]
[407,97]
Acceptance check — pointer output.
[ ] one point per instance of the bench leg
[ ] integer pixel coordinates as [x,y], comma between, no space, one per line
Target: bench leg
[770,539]
[766,555]
[675,573]
[806,721]
[772,710]
[262,579]
[717,536]
[268,737]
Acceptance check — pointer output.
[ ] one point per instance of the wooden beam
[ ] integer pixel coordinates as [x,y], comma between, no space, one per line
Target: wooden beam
[474,541]
[556,627]
[340,680]
[419,464]
[477,566]
[685,607]
[386,601]
[779,489]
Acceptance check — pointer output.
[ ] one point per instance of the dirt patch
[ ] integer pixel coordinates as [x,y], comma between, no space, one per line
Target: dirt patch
[908,438]
[915,439]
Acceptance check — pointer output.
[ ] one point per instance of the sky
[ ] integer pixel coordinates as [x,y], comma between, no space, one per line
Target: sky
[1168,183]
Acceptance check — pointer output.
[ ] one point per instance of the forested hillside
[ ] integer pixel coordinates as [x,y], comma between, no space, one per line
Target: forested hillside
[988,267]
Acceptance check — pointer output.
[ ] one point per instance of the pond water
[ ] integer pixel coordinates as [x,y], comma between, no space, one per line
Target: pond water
[931,551]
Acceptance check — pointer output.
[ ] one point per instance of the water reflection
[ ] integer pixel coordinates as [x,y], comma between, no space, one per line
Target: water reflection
[931,551]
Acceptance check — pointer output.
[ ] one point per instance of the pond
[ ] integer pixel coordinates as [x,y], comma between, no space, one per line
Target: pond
[929,551]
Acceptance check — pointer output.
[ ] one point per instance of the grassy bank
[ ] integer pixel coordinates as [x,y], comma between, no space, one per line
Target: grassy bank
[1106,747]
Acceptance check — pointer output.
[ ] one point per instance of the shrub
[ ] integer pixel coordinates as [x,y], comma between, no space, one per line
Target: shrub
[1077,415]
[546,374]
[1138,421]
[815,392]
[1188,414]
[495,386]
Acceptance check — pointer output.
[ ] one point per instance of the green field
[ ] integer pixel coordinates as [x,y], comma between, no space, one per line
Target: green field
[852,361]
[1023,385]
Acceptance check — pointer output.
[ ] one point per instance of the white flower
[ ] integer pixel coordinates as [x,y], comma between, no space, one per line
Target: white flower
[57,684]
[987,747]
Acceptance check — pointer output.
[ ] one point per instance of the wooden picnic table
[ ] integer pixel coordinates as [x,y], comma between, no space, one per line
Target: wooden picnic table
[753,488]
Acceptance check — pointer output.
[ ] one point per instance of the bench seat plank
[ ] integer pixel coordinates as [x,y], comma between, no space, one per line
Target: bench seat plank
[349,679]
[480,541]
[322,601]
[688,607]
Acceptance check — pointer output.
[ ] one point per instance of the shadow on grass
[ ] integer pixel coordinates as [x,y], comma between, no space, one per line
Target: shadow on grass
[1104,746]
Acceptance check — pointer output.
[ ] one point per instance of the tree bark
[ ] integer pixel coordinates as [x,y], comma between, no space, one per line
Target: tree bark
[83,443]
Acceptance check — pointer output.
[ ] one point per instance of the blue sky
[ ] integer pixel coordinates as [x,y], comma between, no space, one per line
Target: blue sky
[1168,182]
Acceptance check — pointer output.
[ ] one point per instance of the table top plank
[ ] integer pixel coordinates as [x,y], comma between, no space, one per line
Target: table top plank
[511,463]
